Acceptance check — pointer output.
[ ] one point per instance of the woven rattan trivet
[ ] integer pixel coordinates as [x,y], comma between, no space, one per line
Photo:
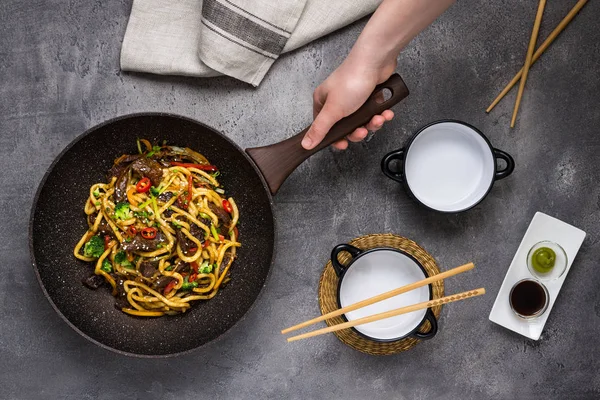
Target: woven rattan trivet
[328,293]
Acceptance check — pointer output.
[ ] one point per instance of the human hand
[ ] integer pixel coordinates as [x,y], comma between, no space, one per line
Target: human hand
[341,94]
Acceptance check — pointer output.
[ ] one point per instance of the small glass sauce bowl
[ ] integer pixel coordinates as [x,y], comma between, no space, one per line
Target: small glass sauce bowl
[560,263]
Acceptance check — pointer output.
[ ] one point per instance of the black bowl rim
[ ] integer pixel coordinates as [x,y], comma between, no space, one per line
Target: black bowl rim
[485,138]
[347,267]
[51,168]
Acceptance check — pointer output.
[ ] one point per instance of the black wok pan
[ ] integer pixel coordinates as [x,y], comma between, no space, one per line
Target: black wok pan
[57,222]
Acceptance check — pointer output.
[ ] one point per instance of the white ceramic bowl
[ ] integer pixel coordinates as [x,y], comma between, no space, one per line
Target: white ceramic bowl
[448,166]
[376,271]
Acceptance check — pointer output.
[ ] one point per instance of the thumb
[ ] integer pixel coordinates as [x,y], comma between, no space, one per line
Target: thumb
[320,126]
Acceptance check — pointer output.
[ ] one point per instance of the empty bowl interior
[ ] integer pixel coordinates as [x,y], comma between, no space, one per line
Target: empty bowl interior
[449,167]
[378,272]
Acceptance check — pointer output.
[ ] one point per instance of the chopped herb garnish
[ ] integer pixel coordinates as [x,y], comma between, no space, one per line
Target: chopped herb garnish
[155,149]
[142,214]
[214,232]
[96,193]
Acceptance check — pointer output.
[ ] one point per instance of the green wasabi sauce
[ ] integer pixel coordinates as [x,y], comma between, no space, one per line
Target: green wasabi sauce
[543,259]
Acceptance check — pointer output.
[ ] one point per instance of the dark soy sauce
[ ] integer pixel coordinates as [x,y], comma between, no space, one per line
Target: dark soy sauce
[528,298]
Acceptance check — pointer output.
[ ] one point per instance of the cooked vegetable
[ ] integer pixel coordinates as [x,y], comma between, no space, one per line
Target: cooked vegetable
[210,168]
[227,207]
[205,268]
[188,284]
[121,259]
[213,230]
[170,286]
[143,185]
[155,191]
[106,266]
[94,247]
[155,149]
[149,233]
[123,211]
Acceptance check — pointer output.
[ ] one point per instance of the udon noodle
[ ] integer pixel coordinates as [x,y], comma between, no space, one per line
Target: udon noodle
[161,231]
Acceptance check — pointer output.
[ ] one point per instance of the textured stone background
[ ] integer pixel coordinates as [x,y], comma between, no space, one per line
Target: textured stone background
[59,69]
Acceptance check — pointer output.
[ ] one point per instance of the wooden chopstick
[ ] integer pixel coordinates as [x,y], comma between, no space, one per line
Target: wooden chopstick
[538,53]
[530,49]
[383,296]
[391,313]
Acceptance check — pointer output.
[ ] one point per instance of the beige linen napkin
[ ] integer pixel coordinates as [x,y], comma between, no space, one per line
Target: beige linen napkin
[239,38]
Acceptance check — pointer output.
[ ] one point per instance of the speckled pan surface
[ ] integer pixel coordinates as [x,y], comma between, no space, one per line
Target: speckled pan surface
[58,221]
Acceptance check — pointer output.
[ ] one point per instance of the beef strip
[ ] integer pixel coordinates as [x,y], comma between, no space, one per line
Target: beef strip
[148,268]
[185,243]
[165,196]
[223,217]
[121,187]
[121,297]
[198,232]
[140,244]
[182,267]
[149,168]
[120,167]
[161,282]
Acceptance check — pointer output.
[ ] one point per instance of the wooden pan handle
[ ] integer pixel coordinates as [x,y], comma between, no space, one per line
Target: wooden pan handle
[278,160]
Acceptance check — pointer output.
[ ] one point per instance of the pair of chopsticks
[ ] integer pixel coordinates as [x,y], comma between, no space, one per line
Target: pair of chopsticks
[391,313]
[533,57]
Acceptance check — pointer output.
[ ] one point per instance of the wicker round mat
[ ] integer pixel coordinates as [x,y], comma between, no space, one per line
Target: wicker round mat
[328,293]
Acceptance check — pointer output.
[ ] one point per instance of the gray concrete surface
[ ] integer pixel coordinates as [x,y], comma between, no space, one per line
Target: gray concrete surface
[60,74]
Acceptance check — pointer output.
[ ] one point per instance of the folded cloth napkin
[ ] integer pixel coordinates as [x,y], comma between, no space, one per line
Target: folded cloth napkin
[239,38]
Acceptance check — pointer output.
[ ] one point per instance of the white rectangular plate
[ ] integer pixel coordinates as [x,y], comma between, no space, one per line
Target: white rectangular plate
[542,227]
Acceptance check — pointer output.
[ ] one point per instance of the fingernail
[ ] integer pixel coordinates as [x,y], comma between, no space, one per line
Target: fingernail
[306,142]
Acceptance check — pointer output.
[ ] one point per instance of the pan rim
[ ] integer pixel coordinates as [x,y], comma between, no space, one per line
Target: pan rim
[57,160]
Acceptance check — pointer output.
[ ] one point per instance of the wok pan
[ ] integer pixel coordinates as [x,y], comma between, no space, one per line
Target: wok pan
[57,222]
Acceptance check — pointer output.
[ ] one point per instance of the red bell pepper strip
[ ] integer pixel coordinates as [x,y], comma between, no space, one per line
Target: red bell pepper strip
[170,287]
[193,277]
[227,206]
[143,185]
[194,266]
[149,233]
[106,240]
[190,187]
[201,167]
